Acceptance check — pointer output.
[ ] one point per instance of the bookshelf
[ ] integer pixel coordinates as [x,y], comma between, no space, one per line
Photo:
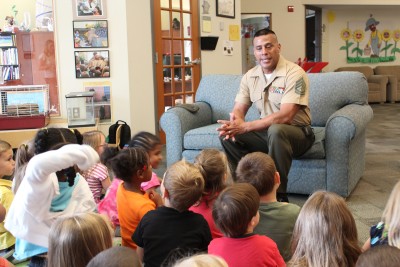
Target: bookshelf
[9,65]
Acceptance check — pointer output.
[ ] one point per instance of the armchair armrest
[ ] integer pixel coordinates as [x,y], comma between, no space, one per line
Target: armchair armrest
[177,121]
[344,130]
[381,79]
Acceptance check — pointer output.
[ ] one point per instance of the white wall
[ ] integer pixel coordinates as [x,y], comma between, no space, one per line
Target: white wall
[215,61]
[131,66]
[289,26]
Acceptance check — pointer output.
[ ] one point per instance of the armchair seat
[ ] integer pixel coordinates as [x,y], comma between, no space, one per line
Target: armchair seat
[335,162]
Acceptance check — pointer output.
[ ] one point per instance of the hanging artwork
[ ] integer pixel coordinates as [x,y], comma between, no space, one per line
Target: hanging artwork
[371,41]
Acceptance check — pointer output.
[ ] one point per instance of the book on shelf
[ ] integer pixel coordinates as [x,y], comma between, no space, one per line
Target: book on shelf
[7,40]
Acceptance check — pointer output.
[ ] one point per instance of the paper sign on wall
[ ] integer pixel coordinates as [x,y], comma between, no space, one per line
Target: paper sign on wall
[234,34]
[206,22]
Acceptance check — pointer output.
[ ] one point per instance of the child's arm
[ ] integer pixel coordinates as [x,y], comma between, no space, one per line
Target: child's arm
[140,253]
[367,245]
[42,165]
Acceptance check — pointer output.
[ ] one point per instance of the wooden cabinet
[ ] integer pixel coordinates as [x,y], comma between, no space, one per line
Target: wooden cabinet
[36,54]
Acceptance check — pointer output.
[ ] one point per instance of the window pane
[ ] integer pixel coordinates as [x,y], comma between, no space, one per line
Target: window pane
[186,25]
[165,3]
[176,4]
[186,4]
[165,24]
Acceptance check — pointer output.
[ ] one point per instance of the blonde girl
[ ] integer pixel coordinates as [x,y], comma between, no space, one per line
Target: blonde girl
[325,233]
[75,240]
[214,167]
[97,176]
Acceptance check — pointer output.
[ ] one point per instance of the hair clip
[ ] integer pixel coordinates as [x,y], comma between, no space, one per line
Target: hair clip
[144,167]
[25,146]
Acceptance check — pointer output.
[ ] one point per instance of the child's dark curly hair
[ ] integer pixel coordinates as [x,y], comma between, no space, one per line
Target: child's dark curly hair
[48,137]
[127,162]
[145,140]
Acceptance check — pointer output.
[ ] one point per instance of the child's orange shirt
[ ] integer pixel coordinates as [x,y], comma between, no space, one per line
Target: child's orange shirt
[131,208]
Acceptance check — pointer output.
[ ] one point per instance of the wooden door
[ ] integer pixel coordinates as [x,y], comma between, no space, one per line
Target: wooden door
[177,41]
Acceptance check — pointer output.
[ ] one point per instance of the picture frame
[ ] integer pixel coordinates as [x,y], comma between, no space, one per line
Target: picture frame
[250,23]
[89,9]
[90,33]
[225,8]
[101,99]
[92,64]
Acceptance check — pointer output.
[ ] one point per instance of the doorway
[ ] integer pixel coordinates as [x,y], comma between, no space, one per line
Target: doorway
[176,32]
[313,33]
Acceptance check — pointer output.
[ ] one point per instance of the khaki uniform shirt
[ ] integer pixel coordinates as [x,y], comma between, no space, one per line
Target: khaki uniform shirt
[287,84]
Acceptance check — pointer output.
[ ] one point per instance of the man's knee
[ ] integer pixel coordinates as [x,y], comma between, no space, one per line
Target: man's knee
[276,131]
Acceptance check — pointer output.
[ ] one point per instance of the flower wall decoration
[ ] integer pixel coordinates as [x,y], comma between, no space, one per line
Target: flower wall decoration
[371,41]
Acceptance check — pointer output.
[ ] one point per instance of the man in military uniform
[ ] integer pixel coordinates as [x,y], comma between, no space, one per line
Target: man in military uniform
[280,91]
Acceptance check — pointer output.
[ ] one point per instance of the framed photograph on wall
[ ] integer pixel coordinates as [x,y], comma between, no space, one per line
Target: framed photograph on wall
[102,99]
[92,64]
[90,33]
[226,8]
[89,9]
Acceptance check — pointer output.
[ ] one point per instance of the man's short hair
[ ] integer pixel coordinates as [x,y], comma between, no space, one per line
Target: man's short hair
[264,31]
[257,169]
[234,209]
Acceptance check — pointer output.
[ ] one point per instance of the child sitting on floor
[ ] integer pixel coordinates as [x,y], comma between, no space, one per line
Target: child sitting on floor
[7,166]
[213,165]
[173,225]
[75,240]
[277,219]
[236,214]
[97,177]
[132,166]
[325,233]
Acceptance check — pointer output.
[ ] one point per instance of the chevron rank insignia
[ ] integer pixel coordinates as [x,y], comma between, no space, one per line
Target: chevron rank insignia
[300,87]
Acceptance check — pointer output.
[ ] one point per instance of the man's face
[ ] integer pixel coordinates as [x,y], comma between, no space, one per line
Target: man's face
[267,51]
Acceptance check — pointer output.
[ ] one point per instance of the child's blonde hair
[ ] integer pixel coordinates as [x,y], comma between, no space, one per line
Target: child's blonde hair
[391,216]
[325,233]
[184,183]
[93,138]
[202,260]
[213,165]
[4,146]
[75,240]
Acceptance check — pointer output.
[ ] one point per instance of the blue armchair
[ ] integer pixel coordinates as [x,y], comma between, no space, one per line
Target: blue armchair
[340,114]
